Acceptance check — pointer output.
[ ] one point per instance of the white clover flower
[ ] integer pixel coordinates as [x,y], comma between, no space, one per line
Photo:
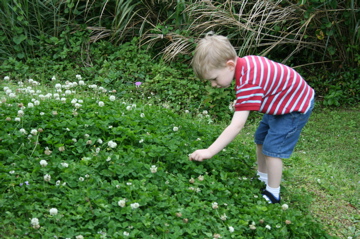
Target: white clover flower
[216,235]
[122,203]
[215,205]
[63,99]
[81,82]
[6,78]
[112,144]
[34,221]
[65,165]
[47,177]
[108,159]
[134,205]
[53,211]
[42,113]
[58,86]
[12,172]
[141,141]
[57,182]
[285,207]
[80,101]
[23,131]
[79,237]
[43,163]
[128,107]
[129,183]
[268,227]
[142,115]
[112,98]
[231,229]
[30,105]
[20,113]
[53,78]
[17,119]
[175,129]
[73,101]
[12,95]
[78,77]
[126,234]
[47,151]
[36,102]
[252,226]
[77,105]
[223,217]
[86,135]
[201,178]
[81,179]
[33,132]
[153,169]
[101,104]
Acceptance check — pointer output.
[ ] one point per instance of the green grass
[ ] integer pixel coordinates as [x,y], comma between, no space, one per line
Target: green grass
[323,174]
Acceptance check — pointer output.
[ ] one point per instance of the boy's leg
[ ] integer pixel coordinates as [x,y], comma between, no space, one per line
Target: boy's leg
[261,160]
[274,168]
[272,190]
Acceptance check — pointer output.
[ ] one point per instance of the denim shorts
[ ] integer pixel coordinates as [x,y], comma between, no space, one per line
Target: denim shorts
[278,134]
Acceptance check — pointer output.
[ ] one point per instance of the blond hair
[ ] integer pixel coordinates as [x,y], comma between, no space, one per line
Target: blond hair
[212,52]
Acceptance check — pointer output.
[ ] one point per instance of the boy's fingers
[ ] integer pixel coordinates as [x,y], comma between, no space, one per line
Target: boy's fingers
[190,158]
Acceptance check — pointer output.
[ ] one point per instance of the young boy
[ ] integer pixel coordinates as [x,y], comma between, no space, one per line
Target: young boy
[261,85]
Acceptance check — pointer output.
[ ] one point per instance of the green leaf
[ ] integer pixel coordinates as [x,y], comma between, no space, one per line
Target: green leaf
[19,39]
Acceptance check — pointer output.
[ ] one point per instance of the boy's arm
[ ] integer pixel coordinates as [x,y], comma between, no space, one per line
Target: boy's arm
[237,123]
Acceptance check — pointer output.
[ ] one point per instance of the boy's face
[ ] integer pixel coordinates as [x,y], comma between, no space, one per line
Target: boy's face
[222,78]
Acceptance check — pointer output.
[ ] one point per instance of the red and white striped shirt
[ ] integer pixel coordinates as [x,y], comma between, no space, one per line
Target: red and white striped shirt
[270,87]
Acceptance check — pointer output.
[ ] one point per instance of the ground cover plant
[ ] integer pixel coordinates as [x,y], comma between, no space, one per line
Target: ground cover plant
[79,162]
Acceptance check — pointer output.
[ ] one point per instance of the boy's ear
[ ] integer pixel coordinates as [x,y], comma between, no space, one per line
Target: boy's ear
[231,64]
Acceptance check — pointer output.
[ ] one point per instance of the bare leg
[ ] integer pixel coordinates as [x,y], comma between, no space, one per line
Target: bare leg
[261,159]
[274,169]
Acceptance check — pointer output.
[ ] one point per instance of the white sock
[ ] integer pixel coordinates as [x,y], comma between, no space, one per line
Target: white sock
[273,191]
[263,177]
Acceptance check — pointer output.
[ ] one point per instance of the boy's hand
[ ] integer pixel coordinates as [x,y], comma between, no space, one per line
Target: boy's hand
[200,155]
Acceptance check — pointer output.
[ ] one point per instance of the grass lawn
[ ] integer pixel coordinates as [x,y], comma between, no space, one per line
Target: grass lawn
[323,175]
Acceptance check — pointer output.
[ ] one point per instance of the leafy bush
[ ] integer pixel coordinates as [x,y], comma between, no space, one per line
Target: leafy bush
[77,161]
[337,89]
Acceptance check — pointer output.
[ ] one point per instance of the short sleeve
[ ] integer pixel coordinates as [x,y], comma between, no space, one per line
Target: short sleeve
[248,97]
